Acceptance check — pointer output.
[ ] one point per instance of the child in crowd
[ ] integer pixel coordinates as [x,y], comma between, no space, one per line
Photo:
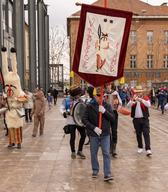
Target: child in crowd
[49,99]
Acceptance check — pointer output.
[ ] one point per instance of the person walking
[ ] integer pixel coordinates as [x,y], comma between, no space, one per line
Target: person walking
[3,104]
[140,114]
[162,97]
[66,91]
[123,96]
[66,109]
[49,100]
[28,105]
[55,95]
[113,98]
[99,136]
[38,112]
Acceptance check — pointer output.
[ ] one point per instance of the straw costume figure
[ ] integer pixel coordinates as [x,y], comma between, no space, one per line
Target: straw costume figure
[15,99]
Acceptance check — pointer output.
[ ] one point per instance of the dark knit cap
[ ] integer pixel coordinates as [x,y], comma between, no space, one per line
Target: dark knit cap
[90,90]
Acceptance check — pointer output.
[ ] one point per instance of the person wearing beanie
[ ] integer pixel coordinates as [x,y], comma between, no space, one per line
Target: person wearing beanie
[99,136]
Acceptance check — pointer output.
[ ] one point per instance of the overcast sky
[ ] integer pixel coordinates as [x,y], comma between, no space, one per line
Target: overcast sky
[59,10]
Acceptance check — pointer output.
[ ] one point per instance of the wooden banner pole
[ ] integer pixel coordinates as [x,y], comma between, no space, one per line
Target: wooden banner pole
[102,88]
[101,103]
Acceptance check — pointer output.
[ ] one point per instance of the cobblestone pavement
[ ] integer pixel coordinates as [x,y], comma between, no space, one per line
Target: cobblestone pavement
[44,163]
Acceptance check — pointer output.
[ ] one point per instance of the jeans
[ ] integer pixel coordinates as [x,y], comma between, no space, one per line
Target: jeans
[104,142]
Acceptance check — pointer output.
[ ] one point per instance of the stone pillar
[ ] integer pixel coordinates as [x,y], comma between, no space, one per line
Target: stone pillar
[32,45]
[19,31]
[47,51]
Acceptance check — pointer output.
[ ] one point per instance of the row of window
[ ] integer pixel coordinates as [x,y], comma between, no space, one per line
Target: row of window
[149,37]
[148,75]
[149,61]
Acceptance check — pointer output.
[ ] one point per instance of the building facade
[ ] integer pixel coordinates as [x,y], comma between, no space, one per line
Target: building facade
[30,40]
[147,52]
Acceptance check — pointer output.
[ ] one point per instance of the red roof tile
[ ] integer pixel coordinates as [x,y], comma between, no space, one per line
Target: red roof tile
[136,6]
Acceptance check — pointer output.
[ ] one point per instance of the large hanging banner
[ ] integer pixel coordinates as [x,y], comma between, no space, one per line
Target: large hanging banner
[101,44]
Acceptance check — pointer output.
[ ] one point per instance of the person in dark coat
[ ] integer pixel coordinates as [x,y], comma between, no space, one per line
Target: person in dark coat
[99,136]
[55,94]
[162,99]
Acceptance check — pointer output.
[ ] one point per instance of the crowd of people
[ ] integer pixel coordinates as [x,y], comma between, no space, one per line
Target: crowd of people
[135,100]
[102,134]
[159,98]
[32,110]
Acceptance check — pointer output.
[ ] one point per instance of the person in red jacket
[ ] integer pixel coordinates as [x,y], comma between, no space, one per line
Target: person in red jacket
[140,114]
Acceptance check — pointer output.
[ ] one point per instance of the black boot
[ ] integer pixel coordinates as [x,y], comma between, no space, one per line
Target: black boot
[114,153]
[11,145]
[19,146]
[87,143]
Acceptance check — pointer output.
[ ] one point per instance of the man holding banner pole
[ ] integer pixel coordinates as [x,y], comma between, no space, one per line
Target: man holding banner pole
[99,59]
[99,136]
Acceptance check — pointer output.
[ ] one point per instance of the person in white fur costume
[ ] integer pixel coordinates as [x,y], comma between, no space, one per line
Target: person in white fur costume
[15,99]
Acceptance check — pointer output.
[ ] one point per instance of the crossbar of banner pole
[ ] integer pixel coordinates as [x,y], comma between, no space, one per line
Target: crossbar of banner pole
[78,4]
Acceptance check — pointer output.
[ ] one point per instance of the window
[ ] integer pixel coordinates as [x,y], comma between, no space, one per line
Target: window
[133,61]
[158,74]
[133,37]
[166,37]
[165,61]
[149,61]
[149,37]
[133,83]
